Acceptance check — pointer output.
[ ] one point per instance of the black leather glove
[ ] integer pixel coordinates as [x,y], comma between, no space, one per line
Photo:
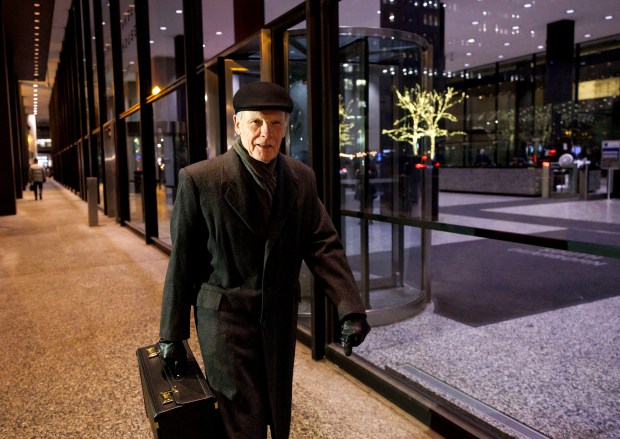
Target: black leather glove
[355,328]
[174,355]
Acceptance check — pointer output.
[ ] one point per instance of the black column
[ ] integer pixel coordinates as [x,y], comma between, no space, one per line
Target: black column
[8,204]
[559,75]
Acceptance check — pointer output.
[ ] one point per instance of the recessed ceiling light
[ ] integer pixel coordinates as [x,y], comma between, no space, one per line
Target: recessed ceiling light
[468,54]
[500,56]
[609,17]
[475,23]
[541,47]
[506,44]
[527,5]
[466,65]
[179,11]
[163,28]
[218,33]
[587,35]
[471,40]
[570,11]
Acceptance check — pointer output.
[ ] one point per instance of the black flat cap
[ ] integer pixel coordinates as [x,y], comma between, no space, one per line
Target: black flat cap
[262,96]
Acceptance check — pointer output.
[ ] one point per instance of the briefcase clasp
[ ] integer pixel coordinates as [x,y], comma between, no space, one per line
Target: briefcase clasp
[167,396]
[152,352]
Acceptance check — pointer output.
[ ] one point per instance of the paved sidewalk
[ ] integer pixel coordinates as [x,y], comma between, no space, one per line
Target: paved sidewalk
[76,303]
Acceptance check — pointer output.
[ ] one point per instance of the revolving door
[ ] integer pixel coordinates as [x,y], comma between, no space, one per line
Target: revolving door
[380,179]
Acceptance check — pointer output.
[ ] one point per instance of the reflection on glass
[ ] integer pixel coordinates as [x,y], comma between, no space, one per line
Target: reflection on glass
[298,89]
[100,171]
[129,52]
[170,155]
[218,27]
[135,170]
[107,57]
[166,33]
[93,46]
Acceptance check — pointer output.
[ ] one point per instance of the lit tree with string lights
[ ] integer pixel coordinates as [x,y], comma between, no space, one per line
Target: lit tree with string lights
[414,101]
[436,110]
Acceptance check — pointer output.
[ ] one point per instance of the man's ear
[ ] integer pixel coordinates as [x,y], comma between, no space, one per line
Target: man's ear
[236,123]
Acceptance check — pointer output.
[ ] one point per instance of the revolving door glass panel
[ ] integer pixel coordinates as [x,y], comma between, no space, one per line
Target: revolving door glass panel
[377,175]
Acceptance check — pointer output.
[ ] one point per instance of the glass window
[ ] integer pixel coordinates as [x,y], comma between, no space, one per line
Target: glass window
[107,57]
[496,303]
[166,38]
[129,53]
[93,48]
[135,170]
[298,89]
[170,154]
[275,8]
[218,26]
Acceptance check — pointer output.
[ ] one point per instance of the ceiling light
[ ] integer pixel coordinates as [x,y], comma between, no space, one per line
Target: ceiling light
[471,40]
[468,54]
[179,11]
[527,5]
[609,17]
[163,28]
[35,85]
[587,35]
[218,33]
[500,56]
[570,11]
[475,23]
[506,44]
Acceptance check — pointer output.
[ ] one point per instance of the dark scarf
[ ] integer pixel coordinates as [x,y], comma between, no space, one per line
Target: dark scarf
[263,174]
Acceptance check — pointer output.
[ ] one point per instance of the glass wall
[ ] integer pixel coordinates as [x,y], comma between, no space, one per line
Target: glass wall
[166,42]
[108,61]
[129,53]
[135,170]
[93,43]
[515,279]
[218,27]
[170,155]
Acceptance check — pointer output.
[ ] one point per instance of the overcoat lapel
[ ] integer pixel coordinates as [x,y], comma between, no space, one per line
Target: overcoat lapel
[240,194]
[283,200]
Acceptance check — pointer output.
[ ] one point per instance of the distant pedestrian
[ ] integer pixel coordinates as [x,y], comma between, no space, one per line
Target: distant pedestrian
[37,176]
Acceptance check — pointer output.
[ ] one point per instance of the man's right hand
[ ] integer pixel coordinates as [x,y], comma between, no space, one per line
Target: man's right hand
[175,356]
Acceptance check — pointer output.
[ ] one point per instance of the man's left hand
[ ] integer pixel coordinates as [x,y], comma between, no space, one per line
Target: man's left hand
[354,331]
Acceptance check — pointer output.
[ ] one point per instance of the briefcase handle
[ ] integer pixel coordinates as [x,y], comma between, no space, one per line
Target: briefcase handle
[178,392]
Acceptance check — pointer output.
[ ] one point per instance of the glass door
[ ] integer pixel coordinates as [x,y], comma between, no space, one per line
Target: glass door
[378,176]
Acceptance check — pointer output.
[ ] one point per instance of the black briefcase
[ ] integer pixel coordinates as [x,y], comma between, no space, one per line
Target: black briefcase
[180,408]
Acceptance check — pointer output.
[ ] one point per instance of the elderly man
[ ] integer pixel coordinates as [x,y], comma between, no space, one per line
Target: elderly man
[242,224]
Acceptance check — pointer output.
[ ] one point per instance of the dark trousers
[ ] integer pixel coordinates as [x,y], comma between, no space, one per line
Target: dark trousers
[38,189]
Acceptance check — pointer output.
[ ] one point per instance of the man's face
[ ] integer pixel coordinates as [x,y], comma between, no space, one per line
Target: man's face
[261,132]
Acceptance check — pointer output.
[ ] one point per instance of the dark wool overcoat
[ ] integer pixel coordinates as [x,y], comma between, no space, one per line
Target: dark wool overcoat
[241,275]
